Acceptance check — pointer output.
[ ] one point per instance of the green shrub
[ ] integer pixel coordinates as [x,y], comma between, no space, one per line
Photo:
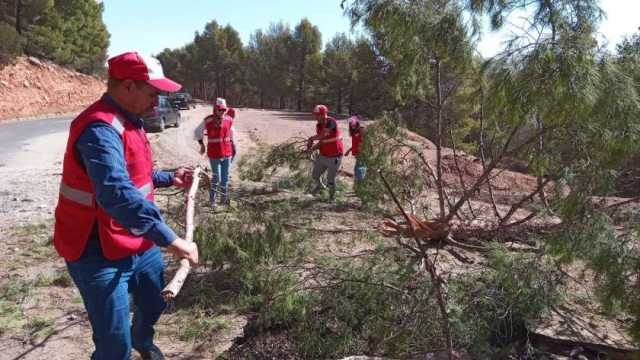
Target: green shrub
[492,312]
[10,43]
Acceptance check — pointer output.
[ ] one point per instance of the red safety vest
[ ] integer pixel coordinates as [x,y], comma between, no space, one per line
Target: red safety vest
[331,145]
[356,140]
[77,209]
[218,137]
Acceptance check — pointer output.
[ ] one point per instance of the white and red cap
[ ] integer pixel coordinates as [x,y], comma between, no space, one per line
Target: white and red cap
[353,121]
[133,66]
[220,104]
[321,109]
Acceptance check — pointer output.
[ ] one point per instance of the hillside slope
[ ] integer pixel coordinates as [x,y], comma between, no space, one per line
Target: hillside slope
[32,87]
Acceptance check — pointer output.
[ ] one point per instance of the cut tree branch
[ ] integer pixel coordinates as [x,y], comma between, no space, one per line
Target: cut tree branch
[494,163]
[430,267]
[174,286]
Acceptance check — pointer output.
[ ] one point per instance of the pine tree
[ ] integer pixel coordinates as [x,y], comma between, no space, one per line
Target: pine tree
[307,41]
[339,74]
[71,33]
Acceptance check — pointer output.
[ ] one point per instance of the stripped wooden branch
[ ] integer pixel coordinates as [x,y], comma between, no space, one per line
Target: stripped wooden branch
[173,288]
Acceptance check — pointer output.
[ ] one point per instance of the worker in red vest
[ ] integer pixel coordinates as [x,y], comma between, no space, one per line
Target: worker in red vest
[219,149]
[329,144]
[107,227]
[231,112]
[356,131]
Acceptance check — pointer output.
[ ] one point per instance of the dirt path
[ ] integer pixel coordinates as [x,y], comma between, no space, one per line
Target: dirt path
[177,147]
[31,179]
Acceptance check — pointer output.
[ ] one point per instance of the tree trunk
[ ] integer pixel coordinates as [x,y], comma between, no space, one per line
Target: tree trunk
[429,266]
[301,85]
[439,139]
[224,87]
[351,102]
[19,16]
[339,109]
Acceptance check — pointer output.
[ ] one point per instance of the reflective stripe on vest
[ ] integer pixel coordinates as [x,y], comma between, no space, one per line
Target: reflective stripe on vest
[118,124]
[218,140]
[146,189]
[75,195]
[86,198]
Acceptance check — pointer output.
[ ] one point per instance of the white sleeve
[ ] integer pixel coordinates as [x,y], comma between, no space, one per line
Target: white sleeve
[198,133]
[232,130]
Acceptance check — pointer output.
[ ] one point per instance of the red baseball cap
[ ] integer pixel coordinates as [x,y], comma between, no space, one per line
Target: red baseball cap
[321,109]
[133,66]
[220,104]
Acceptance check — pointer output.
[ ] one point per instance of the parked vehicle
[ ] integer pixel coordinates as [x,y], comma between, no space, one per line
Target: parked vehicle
[163,115]
[182,100]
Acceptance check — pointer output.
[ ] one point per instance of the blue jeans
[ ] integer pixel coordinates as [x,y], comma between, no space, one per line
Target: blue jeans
[359,171]
[105,286]
[219,174]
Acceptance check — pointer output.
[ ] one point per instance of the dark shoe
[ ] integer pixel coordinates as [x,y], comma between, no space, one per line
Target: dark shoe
[332,195]
[153,353]
[314,191]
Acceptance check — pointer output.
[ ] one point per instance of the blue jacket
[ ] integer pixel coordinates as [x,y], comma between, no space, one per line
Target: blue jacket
[101,150]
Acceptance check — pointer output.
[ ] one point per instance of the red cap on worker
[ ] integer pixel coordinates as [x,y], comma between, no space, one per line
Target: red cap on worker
[220,104]
[133,66]
[321,109]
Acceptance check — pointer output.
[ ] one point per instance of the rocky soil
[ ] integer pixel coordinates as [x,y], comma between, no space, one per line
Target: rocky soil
[31,87]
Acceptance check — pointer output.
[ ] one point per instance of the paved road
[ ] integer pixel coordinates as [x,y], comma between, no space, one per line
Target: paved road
[15,136]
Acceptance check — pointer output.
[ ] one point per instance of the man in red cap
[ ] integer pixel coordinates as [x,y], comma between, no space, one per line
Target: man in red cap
[219,149]
[107,227]
[331,150]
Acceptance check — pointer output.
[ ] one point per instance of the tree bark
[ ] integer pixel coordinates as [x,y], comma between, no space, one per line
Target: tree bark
[430,267]
[439,140]
[351,102]
[19,16]
[301,83]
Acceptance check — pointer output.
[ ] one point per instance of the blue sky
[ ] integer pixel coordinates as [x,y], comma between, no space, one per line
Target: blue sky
[149,26]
